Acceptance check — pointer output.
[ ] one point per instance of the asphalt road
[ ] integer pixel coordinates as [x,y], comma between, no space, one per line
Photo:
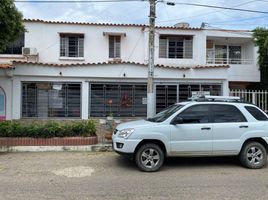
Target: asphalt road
[66,175]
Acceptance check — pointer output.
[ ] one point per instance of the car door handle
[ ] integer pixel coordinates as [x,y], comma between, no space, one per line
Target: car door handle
[205,128]
[243,126]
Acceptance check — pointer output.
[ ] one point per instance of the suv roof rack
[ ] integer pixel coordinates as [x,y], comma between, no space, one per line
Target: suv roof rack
[205,98]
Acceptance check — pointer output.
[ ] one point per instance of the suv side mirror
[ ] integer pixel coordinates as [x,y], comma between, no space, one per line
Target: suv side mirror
[177,120]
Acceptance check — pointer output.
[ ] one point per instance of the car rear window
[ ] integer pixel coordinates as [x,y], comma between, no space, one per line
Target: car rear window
[256,113]
[227,113]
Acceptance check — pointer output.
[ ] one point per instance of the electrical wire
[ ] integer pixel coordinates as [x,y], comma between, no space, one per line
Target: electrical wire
[216,7]
[73,1]
[207,13]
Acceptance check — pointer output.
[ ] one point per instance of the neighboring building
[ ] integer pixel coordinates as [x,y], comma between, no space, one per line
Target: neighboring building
[81,70]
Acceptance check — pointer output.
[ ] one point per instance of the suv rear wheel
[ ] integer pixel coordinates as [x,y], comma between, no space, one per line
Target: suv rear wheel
[149,157]
[253,155]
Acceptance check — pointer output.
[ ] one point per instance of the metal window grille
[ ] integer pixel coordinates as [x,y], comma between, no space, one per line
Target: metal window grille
[51,100]
[235,54]
[123,100]
[71,45]
[16,46]
[166,95]
[176,47]
[114,46]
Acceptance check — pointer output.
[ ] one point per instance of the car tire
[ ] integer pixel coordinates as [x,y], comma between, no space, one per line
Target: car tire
[149,157]
[253,155]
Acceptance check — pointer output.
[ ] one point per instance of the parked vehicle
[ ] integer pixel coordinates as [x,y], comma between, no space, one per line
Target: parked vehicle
[204,126]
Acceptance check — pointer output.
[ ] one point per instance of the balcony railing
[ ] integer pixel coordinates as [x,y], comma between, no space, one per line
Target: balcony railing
[222,57]
[231,61]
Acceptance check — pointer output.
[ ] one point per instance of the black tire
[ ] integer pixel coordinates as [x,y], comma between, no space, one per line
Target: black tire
[149,157]
[253,155]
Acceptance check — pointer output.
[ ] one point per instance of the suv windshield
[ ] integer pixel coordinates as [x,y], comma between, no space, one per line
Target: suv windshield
[166,113]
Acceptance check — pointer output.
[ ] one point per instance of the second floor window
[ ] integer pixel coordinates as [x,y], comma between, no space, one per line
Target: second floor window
[16,46]
[114,46]
[71,45]
[176,47]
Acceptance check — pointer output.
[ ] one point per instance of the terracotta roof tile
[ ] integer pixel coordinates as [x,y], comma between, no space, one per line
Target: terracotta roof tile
[5,66]
[120,62]
[210,66]
[96,63]
[107,24]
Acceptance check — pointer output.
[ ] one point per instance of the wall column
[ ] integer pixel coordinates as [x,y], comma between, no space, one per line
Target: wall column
[84,100]
[16,98]
[225,88]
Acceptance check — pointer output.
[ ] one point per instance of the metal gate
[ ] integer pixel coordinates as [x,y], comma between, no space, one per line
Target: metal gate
[257,97]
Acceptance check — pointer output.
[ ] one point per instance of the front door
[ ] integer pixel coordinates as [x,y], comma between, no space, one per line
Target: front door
[194,135]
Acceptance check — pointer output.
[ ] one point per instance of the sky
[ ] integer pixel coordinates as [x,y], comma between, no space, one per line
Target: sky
[137,12]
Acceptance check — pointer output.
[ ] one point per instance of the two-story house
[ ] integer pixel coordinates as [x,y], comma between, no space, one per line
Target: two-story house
[82,70]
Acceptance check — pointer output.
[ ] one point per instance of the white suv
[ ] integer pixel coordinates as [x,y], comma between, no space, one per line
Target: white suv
[207,126]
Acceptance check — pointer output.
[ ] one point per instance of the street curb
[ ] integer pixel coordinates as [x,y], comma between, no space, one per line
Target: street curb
[82,148]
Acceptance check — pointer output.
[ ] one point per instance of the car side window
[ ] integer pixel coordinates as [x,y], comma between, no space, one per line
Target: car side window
[227,113]
[256,113]
[195,114]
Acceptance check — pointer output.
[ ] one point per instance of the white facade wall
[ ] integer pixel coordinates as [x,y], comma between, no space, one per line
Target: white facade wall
[95,73]
[134,48]
[45,37]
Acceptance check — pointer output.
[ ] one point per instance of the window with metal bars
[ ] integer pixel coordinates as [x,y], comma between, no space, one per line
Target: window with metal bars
[119,100]
[114,46]
[15,47]
[51,100]
[176,47]
[71,45]
[167,95]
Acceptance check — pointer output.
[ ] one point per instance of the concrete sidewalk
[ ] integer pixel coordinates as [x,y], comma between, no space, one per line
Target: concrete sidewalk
[101,147]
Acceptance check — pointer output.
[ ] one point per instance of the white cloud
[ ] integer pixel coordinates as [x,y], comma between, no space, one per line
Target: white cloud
[137,12]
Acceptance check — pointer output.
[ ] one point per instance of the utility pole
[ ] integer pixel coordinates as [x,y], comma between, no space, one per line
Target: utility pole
[150,84]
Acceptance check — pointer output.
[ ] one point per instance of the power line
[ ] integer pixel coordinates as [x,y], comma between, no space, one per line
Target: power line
[168,3]
[207,13]
[73,1]
[239,20]
[216,7]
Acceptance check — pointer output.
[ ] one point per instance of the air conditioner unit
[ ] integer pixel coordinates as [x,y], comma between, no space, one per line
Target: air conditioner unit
[29,51]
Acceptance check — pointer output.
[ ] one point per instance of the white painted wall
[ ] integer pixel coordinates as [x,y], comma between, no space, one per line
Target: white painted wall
[97,73]
[45,37]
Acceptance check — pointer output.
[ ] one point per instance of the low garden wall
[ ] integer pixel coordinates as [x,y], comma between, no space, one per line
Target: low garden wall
[51,133]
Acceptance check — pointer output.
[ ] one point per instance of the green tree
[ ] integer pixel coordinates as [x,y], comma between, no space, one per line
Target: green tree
[260,36]
[11,23]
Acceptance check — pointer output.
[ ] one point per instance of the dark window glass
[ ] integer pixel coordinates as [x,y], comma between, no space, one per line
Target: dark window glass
[227,113]
[46,99]
[15,47]
[72,45]
[166,95]
[176,47]
[114,46]
[256,113]
[195,114]
[119,100]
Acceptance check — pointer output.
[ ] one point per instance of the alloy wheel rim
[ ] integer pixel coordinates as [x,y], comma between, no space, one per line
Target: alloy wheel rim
[255,155]
[150,158]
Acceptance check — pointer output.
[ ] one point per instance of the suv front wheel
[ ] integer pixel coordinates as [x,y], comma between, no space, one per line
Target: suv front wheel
[149,157]
[253,155]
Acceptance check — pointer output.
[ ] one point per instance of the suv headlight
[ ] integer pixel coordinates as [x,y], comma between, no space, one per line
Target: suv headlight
[125,133]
